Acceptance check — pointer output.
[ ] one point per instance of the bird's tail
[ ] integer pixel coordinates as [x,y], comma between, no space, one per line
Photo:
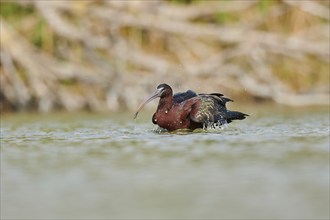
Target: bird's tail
[234,115]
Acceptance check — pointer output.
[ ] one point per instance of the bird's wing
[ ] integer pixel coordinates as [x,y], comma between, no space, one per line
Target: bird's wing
[219,97]
[203,110]
[183,96]
[208,109]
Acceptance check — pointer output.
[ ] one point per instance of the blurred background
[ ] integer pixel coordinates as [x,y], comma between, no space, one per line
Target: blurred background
[89,64]
[108,55]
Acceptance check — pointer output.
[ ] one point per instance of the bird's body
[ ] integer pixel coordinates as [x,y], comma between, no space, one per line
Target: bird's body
[189,110]
[175,116]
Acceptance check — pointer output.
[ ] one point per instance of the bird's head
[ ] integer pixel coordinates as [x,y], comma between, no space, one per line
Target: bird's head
[163,90]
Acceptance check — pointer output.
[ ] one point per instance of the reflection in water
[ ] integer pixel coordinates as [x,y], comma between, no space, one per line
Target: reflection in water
[97,166]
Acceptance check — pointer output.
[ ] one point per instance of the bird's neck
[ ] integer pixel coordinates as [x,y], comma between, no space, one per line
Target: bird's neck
[165,103]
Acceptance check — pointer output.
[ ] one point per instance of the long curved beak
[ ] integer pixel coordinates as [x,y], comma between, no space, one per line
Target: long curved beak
[156,94]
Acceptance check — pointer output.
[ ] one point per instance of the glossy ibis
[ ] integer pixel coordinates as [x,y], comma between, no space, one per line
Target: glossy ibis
[188,110]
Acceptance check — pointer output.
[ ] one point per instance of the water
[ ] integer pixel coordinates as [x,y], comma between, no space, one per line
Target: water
[273,165]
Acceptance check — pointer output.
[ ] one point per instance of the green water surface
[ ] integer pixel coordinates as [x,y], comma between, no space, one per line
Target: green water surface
[273,165]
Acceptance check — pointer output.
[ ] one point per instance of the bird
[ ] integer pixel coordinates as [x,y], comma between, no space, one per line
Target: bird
[189,110]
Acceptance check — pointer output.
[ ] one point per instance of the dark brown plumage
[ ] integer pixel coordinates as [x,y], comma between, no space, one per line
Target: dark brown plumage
[189,110]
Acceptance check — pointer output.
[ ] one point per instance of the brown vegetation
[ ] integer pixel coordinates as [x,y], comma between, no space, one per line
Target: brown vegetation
[109,54]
